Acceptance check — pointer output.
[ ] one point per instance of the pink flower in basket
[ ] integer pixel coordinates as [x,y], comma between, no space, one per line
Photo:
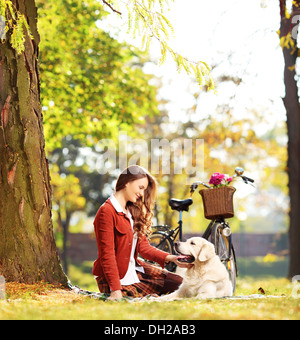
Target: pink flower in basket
[219,180]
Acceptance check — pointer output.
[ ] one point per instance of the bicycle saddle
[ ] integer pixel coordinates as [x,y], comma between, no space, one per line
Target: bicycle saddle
[180,205]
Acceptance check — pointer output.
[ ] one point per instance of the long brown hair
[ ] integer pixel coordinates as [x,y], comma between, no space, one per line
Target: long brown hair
[141,210]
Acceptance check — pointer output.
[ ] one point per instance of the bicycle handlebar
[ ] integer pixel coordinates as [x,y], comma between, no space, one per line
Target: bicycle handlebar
[238,173]
[247,179]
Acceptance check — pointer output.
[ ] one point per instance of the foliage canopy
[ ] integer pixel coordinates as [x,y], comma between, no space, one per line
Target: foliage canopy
[146,18]
[92,85]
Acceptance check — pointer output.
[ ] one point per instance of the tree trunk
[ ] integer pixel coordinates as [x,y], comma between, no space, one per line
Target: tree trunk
[64,226]
[291,103]
[27,247]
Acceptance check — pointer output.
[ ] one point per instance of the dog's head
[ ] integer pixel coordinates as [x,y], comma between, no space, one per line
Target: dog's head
[195,249]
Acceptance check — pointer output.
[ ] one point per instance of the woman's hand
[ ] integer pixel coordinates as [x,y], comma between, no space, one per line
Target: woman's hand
[115,295]
[173,258]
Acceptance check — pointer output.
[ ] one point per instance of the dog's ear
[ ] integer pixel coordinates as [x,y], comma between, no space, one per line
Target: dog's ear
[207,252]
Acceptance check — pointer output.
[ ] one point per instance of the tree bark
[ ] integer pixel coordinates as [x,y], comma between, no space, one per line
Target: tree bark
[291,103]
[28,252]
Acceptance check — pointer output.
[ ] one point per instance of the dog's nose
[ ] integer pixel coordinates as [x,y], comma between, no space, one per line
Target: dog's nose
[176,243]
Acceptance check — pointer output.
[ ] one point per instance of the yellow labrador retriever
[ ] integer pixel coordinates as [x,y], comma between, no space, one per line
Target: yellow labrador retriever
[207,278]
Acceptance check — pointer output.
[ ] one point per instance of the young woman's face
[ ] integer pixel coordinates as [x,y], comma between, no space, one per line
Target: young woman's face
[136,189]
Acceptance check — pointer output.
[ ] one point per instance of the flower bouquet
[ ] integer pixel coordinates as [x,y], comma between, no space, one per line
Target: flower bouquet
[218,180]
[218,200]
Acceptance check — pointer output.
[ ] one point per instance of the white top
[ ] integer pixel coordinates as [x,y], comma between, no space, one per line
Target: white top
[131,276]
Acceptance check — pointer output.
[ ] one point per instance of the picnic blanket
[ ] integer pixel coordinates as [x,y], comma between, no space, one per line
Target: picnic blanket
[103,297]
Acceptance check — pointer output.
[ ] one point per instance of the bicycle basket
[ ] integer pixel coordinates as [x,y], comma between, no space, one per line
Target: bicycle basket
[218,202]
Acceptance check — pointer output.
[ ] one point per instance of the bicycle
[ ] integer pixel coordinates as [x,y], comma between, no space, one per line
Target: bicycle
[218,231]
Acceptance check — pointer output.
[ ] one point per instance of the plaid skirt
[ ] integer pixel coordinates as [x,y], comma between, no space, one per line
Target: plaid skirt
[153,281]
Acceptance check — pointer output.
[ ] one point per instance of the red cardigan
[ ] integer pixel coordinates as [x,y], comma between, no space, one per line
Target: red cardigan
[114,239]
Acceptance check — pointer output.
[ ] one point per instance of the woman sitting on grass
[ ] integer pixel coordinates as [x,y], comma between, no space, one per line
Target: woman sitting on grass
[121,226]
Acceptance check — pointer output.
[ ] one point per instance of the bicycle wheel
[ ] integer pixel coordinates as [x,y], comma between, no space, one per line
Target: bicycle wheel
[221,244]
[163,242]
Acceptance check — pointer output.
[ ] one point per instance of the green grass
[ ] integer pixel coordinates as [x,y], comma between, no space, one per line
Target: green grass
[48,303]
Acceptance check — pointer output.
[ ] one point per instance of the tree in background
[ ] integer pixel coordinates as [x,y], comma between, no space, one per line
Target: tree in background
[288,33]
[94,85]
[77,187]
[67,199]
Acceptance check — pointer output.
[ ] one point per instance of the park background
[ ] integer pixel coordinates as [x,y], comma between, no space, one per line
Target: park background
[81,80]
[97,82]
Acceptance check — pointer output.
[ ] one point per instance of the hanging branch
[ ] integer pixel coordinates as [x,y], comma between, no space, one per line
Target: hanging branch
[111,7]
[146,17]
[150,23]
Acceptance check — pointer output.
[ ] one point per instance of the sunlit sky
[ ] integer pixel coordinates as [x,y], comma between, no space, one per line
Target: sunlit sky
[238,36]
[213,31]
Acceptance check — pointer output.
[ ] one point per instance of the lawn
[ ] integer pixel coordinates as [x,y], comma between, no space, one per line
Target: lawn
[45,302]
